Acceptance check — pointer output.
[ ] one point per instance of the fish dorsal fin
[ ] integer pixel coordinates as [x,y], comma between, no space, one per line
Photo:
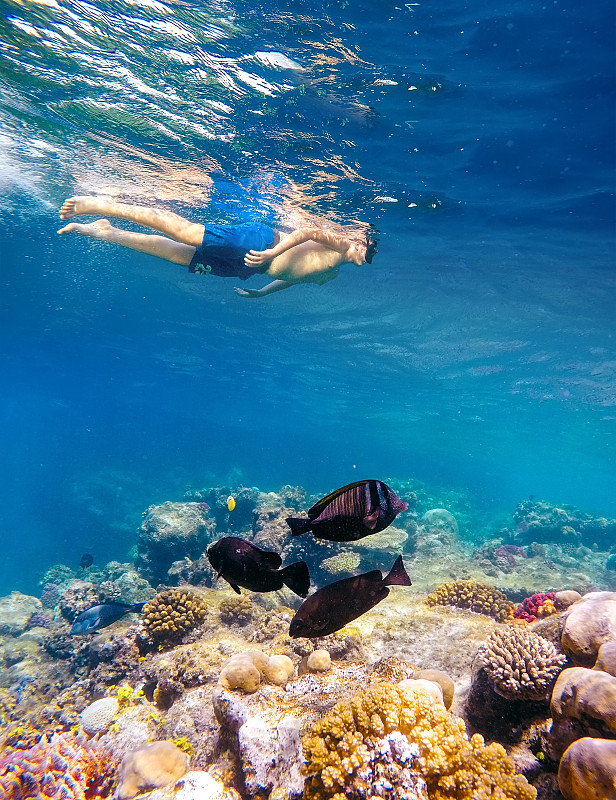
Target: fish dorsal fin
[268,557]
[371,520]
[325,501]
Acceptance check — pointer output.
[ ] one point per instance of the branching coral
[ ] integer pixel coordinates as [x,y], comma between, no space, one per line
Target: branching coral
[172,613]
[520,664]
[476,597]
[62,767]
[342,748]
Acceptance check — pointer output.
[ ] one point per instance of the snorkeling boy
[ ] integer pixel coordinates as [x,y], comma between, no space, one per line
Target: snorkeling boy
[307,255]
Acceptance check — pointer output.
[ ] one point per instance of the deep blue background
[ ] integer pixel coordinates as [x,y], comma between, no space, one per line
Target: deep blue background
[476,352]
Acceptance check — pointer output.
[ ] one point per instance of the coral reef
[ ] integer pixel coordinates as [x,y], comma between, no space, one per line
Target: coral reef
[538,521]
[340,748]
[520,664]
[61,767]
[171,532]
[173,613]
[474,596]
[175,665]
[151,766]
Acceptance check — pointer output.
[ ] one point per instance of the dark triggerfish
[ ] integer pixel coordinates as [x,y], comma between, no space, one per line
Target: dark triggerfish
[338,603]
[350,513]
[242,563]
[101,615]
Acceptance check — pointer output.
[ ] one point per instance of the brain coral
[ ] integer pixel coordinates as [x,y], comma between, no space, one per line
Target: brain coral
[342,749]
[173,613]
[62,767]
[477,597]
[521,664]
[99,715]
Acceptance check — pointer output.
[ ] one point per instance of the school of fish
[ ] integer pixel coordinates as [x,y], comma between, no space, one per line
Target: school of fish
[347,514]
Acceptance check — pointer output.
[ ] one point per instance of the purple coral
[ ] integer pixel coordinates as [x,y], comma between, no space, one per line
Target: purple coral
[508,552]
[61,766]
[38,620]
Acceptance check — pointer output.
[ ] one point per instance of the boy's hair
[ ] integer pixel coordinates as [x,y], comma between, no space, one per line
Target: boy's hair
[371,248]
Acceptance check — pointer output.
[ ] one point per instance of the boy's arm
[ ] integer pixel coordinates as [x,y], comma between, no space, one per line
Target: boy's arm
[274,286]
[329,239]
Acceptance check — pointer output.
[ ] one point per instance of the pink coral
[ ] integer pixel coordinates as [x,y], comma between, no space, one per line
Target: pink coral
[59,768]
[537,605]
[508,553]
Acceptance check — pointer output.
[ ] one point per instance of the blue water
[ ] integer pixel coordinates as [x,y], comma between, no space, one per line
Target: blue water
[477,352]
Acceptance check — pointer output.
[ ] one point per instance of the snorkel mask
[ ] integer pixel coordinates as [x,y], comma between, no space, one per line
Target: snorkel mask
[371,248]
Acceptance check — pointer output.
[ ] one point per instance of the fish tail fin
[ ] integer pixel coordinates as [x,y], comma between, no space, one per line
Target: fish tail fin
[136,607]
[298,525]
[297,578]
[397,575]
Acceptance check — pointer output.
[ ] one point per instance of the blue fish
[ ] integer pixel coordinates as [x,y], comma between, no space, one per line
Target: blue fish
[102,615]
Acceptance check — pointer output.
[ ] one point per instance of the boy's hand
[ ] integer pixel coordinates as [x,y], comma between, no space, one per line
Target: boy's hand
[255,258]
[246,292]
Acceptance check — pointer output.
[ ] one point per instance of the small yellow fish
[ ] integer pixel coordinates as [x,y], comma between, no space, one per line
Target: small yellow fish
[230,502]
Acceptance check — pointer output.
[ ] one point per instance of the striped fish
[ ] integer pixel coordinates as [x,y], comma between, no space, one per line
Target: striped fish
[350,513]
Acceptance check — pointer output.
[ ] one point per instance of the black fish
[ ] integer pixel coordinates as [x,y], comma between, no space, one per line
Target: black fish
[338,603]
[350,513]
[86,561]
[102,615]
[242,563]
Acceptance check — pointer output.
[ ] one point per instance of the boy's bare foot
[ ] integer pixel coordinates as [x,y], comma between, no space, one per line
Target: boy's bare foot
[95,230]
[74,206]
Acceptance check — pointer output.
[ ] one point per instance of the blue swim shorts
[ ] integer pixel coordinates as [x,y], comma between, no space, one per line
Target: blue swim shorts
[223,249]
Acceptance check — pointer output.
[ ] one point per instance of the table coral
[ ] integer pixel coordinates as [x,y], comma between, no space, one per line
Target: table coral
[339,750]
[172,613]
[521,664]
[478,597]
[61,767]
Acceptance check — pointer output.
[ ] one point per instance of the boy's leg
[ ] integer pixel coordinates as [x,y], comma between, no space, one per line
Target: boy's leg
[178,228]
[152,245]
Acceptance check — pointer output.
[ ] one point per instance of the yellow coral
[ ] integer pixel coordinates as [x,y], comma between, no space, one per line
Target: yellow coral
[125,695]
[182,743]
[173,613]
[339,748]
[478,597]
